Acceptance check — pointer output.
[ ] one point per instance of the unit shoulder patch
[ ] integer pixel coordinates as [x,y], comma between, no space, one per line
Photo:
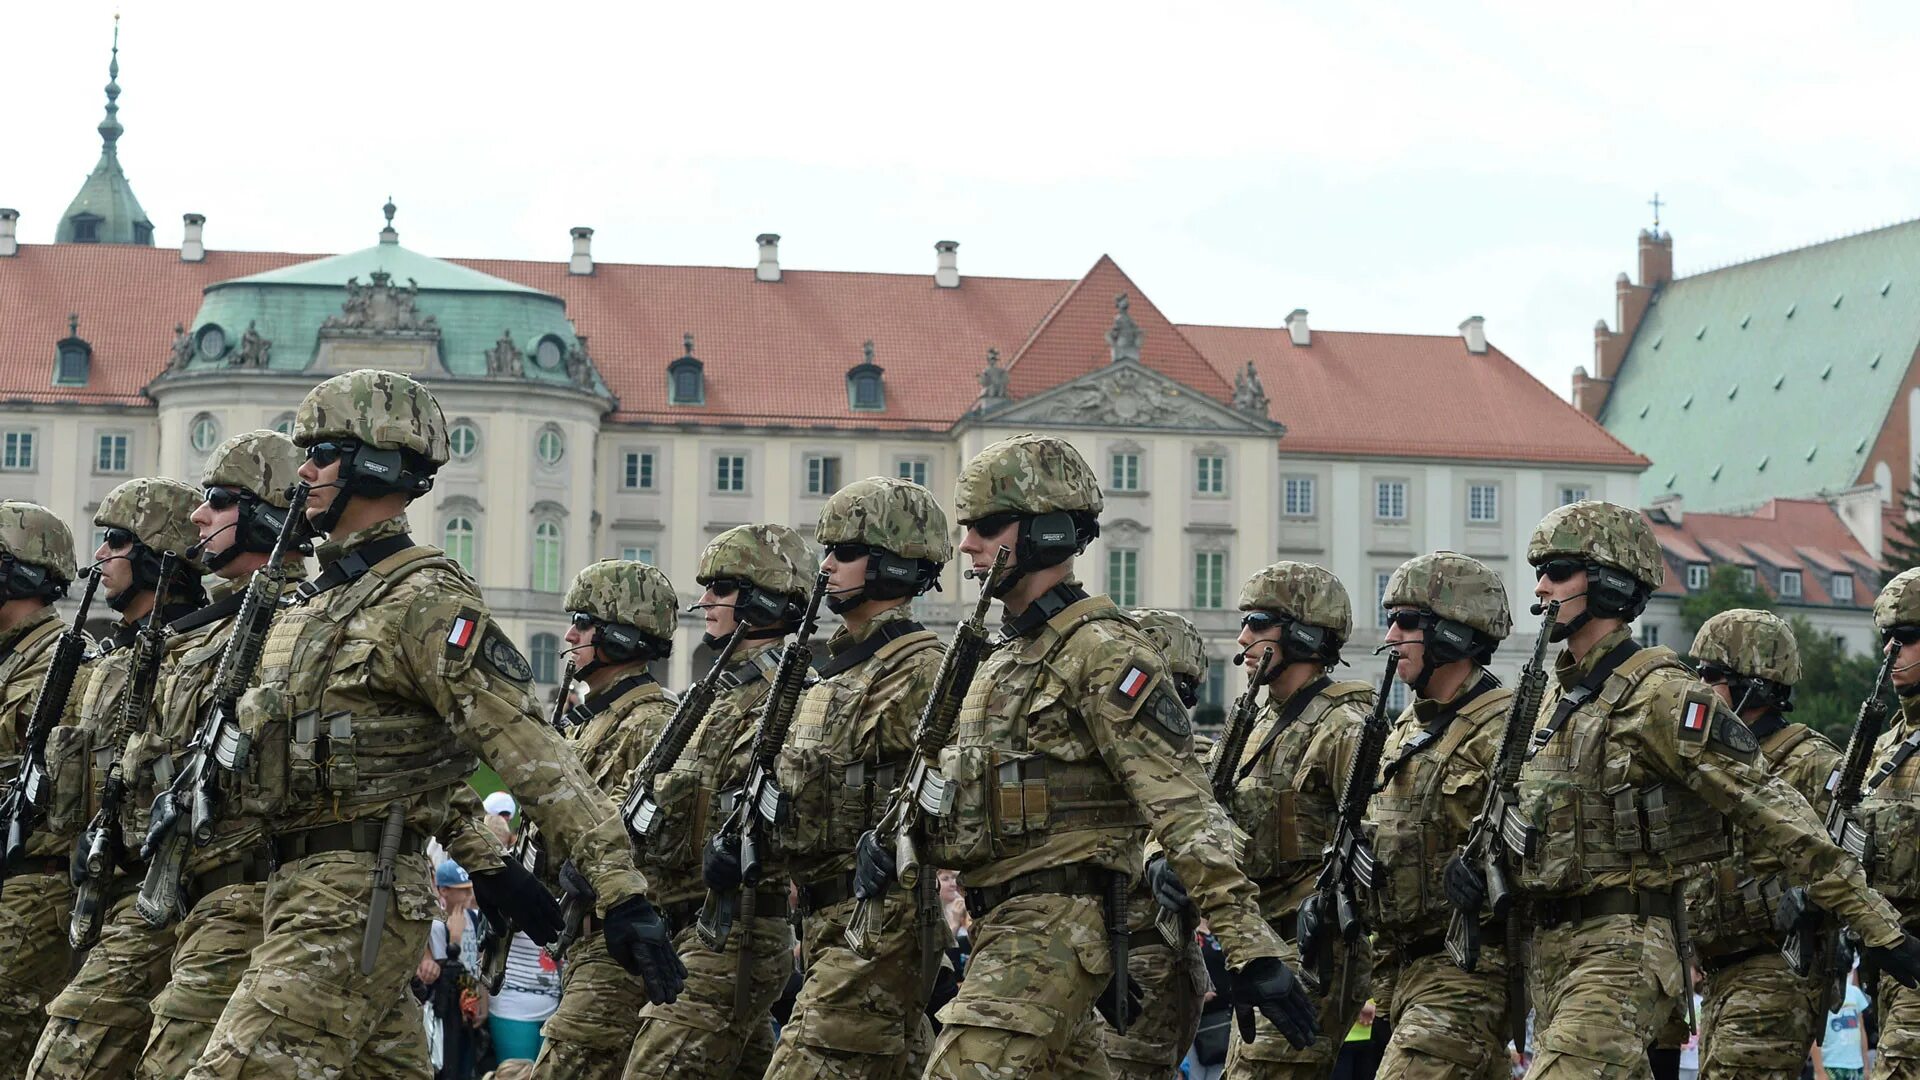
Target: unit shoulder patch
[502,657]
[1732,736]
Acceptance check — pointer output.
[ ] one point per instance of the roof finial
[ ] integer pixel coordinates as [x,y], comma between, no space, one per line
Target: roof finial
[110,128]
[1656,204]
[867,350]
[388,235]
[687,340]
[73,325]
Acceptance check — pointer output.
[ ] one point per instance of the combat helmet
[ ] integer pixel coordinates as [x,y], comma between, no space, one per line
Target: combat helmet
[903,529]
[1180,642]
[388,430]
[767,570]
[262,466]
[1754,650]
[632,604]
[1042,483]
[1899,603]
[36,549]
[1307,597]
[1463,604]
[1617,548]
[158,512]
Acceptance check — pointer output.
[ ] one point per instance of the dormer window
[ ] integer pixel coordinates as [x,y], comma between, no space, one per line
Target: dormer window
[72,357]
[865,389]
[686,378]
[86,228]
[143,233]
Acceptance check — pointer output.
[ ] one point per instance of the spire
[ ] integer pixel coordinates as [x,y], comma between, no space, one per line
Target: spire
[106,211]
[110,128]
[388,235]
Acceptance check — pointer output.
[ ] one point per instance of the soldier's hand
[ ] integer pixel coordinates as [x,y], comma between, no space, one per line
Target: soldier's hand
[720,864]
[1167,888]
[1900,960]
[1267,984]
[640,939]
[1466,886]
[1797,911]
[874,868]
[1130,1003]
[512,895]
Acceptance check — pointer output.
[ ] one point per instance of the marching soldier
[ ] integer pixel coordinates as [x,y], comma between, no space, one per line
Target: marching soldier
[714,1031]
[1446,615]
[36,569]
[378,694]
[1635,774]
[623,618]
[1890,812]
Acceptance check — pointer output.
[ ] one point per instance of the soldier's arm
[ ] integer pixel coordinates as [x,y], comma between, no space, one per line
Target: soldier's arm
[465,835]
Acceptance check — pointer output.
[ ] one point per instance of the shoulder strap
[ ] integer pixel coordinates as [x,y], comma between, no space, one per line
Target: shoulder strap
[1289,713]
[1441,725]
[582,714]
[212,613]
[1586,690]
[861,651]
[760,665]
[1901,754]
[351,566]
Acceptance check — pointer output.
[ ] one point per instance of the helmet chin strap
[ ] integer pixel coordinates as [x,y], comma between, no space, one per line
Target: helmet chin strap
[1563,630]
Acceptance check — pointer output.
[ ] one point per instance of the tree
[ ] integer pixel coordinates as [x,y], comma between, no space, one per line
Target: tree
[1902,548]
[1726,589]
[1832,683]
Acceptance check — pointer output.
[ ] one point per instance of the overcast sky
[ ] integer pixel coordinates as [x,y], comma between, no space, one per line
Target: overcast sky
[1390,167]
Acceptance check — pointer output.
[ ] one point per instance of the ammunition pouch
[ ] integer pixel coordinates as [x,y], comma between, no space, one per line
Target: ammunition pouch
[70,780]
[678,826]
[1885,824]
[1277,844]
[1006,803]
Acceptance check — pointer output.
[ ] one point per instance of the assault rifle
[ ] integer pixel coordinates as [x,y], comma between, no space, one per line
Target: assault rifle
[1499,825]
[925,790]
[102,845]
[761,800]
[641,812]
[186,811]
[24,802]
[1348,860]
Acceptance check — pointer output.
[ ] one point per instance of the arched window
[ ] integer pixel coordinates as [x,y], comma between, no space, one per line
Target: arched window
[545,658]
[686,379]
[546,557]
[284,424]
[456,539]
[205,433]
[463,439]
[550,446]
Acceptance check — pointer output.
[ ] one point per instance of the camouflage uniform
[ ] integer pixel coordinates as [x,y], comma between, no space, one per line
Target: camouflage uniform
[588,1036]
[97,1026]
[381,690]
[699,1036]
[34,957]
[1069,748]
[1434,770]
[1644,774]
[1285,801]
[1890,810]
[850,743]
[1757,1017]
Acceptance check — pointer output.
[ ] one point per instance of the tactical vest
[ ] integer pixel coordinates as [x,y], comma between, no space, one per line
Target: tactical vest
[1412,834]
[1729,907]
[836,793]
[306,755]
[1587,815]
[1287,830]
[688,794]
[1023,763]
[1889,815]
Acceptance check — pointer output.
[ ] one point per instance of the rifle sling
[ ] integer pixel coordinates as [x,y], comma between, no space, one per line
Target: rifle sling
[839,660]
[748,671]
[1908,747]
[1582,693]
[1289,712]
[354,564]
[582,714]
[1042,610]
[1437,726]
[212,613]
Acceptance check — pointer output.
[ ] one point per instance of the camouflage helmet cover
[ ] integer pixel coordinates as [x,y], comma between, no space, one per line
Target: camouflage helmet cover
[772,557]
[1757,644]
[624,591]
[31,533]
[158,510]
[1301,591]
[895,515]
[379,408]
[1452,586]
[1177,639]
[1604,532]
[1899,603]
[1026,474]
[263,462]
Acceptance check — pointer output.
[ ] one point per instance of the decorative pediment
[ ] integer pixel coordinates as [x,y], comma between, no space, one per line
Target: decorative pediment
[380,308]
[1126,394]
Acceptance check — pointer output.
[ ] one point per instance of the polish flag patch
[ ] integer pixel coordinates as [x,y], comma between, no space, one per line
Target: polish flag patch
[1132,683]
[461,633]
[1695,718]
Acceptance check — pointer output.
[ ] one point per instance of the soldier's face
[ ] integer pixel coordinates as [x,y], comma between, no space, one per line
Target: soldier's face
[718,612]
[1410,642]
[1571,592]
[1253,643]
[218,528]
[980,548]
[116,575]
[844,578]
[318,478]
[1906,665]
[581,639]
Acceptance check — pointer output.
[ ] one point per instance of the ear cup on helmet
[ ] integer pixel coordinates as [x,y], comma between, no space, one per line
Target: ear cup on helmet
[1448,641]
[890,576]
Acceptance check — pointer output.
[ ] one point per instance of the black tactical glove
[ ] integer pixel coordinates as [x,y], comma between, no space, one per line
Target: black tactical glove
[512,895]
[1466,886]
[1797,911]
[1131,1003]
[874,869]
[1900,960]
[1267,984]
[640,939]
[1167,888]
[720,864]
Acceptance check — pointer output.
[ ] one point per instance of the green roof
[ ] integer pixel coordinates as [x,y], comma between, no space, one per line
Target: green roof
[106,199]
[405,265]
[1772,377]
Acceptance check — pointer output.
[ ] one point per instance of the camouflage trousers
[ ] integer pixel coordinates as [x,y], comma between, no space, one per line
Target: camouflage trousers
[857,1018]
[697,1036]
[1600,990]
[1448,1024]
[216,940]
[34,962]
[1173,987]
[302,1009]
[98,1025]
[1757,1019]
[1898,1057]
[588,1036]
[1271,1057]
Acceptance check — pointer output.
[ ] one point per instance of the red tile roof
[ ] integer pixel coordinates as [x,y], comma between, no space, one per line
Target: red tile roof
[1806,526]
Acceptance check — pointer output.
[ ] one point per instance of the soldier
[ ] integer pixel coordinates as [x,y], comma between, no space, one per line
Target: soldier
[98,1025]
[1757,1017]
[623,619]
[1068,749]
[36,568]
[885,542]
[713,1031]
[377,695]
[1172,979]
[1637,773]
[1446,615]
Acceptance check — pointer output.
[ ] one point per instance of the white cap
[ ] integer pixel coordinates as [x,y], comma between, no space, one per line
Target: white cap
[501,803]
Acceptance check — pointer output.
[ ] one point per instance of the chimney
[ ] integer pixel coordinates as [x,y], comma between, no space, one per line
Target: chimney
[1670,505]
[582,260]
[1656,258]
[192,247]
[1297,326]
[9,245]
[946,271]
[769,268]
[1588,393]
[1474,332]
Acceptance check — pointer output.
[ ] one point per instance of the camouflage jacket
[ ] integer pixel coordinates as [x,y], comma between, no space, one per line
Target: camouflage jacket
[1890,810]
[30,648]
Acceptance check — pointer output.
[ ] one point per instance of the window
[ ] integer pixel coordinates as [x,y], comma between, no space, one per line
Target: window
[637,554]
[1390,500]
[1483,503]
[143,233]
[1123,576]
[111,456]
[546,557]
[545,658]
[1397,697]
[72,362]
[1572,495]
[16,452]
[86,228]
[463,439]
[730,473]
[550,446]
[99,537]
[1790,585]
[1298,497]
[283,424]
[1748,578]
[456,539]
[1380,579]
[636,472]
[865,391]
[1213,691]
[1123,473]
[1212,475]
[1696,576]
[911,469]
[1649,635]
[1840,585]
[686,379]
[205,433]
[1209,579]
[823,474]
